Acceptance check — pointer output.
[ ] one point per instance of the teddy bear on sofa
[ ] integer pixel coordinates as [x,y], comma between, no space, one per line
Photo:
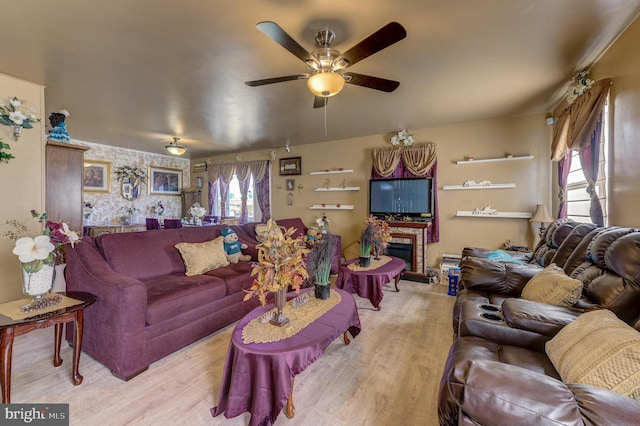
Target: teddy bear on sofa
[233,247]
[313,235]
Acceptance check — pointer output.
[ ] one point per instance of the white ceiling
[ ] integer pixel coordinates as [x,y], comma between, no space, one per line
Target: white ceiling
[135,73]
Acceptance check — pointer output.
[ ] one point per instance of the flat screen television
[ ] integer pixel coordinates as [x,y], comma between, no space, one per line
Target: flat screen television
[411,197]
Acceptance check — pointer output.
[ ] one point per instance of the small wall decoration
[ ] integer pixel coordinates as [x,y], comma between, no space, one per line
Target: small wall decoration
[199,167]
[17,118]
[291,184]
[290,166]
[164,181]
[96,176]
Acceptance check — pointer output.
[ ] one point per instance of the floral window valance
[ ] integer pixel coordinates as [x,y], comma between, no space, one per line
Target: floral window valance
[417,158]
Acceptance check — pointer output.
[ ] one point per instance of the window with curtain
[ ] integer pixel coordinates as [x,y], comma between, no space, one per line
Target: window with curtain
[234,200]
[578,199]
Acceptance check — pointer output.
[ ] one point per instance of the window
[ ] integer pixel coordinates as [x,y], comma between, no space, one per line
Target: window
[578,199]
[234,200]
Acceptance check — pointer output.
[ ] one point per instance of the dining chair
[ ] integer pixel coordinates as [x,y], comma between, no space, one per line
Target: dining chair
[152,223]
[172,223]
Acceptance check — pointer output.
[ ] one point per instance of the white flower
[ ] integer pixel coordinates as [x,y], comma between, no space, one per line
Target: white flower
[15,102]
[29,249]
[17,117]
[394,140]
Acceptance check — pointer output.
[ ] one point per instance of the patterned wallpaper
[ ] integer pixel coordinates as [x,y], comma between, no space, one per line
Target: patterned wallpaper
[110,206]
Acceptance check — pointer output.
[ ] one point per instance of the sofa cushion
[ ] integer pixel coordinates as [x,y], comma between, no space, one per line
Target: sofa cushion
[598,349]
[202,257]
[553,286]
[296,223]
[236,276]
[172,296]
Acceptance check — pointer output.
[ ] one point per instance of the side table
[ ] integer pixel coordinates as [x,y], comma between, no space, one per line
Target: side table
[9,328]
[368,283]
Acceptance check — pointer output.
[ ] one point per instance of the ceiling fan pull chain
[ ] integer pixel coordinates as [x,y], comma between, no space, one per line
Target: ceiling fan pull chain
[325,117]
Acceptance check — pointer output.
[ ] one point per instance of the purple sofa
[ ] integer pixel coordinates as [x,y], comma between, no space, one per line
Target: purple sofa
[146,307]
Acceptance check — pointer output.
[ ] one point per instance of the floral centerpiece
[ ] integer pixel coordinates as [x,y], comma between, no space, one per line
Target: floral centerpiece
[139,175]
[15,117]
[402,137]
[157,209]
[38,255]
[197,212]
[323,223]
[129,212]
[382,235]
[280,265]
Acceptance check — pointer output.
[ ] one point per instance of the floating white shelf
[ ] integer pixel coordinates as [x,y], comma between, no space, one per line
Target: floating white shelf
[490,160]
[492,186]
[348,188]
[329,172]
[514,215]
[332,207]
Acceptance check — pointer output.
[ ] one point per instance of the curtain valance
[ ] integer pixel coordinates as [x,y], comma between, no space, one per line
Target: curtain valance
[417,158]
[243,170]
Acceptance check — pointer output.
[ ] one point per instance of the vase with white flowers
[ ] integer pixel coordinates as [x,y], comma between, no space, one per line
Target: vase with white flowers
[197,212]
[38,255]
[17,118]
[323,223]
[87,210]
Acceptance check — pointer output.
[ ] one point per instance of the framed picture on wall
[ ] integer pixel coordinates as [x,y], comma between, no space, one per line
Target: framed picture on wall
[163,181]
[96,176]
[291,166]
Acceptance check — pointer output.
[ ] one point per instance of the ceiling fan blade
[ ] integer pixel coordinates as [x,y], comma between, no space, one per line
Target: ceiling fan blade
[277,34]
[320,102]
[391,33]
[262,82]
[376,83]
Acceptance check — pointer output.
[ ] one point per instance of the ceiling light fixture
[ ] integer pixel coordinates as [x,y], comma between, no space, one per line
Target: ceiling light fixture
[174,148]
[325,84]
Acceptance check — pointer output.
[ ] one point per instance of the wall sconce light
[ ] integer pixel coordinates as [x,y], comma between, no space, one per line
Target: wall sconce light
[543,216]
[175,148]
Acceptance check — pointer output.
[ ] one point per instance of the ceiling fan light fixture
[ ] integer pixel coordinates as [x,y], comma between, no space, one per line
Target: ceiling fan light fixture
[174,148]
[325,84]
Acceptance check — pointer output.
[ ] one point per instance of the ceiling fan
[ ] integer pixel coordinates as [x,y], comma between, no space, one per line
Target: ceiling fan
[327,67]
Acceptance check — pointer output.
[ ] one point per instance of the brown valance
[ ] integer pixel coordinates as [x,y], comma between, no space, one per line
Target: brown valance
[575,124]
[243,170]
[417,158]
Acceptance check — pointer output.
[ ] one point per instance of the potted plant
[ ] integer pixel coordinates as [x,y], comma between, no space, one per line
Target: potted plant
[366,244]
[280,265]
[320,265]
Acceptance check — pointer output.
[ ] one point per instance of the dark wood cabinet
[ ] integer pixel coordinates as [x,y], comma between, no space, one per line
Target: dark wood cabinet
[64,183]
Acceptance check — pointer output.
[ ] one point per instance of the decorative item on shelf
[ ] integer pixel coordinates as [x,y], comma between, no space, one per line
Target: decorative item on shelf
[580,83]
[197,212]
[382,235]
[402,137]
[87,210]
[17,119]
[157,209]
[280,265]
[58,132]
[127,217]
[38,256]
[323,223]
[543,216]
[470,183]
[366,244]
[320,265]
[486,210]
[175,148]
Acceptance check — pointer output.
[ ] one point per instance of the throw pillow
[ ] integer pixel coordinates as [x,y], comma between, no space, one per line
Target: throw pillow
[553,286]
[598,349]
[199,258]
[502,256]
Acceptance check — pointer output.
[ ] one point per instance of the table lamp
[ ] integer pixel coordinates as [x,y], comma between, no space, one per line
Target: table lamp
[543,216]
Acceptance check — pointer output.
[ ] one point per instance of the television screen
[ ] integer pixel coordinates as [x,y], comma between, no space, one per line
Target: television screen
[406,197]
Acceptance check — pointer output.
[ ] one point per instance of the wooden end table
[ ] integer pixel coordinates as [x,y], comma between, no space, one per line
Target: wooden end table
[9,328]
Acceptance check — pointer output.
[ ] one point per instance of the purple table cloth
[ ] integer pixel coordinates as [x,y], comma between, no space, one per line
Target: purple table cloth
[368,284]
[258,377]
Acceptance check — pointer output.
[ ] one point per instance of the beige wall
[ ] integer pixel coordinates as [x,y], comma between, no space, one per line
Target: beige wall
[485,139]
[21,180]
[622,64]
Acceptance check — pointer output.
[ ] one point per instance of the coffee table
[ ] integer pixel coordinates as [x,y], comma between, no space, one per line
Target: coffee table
[9,328]
[369,283]
[259,377]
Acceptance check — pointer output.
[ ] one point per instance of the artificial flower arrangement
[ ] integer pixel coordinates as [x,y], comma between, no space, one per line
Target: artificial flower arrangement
[382,234]
[87,209]
[323,223]
[131,210]
[128,171]
[11,115]
[196,210]
[157,208]
[402,136]
[280,263]
[580,83]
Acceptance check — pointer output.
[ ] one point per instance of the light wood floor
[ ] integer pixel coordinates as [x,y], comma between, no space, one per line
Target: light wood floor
[388,375]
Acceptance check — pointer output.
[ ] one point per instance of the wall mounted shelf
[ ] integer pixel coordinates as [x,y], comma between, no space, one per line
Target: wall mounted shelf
[492,186]
[332,207]
[512,215]
[491,160]
[329,172]
[348,188]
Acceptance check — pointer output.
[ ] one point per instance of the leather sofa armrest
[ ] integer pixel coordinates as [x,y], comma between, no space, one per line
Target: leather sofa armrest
[540,318]
[486,275]
[491,392]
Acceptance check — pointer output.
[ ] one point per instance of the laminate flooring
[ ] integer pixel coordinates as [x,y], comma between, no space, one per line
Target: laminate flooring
[388,375]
